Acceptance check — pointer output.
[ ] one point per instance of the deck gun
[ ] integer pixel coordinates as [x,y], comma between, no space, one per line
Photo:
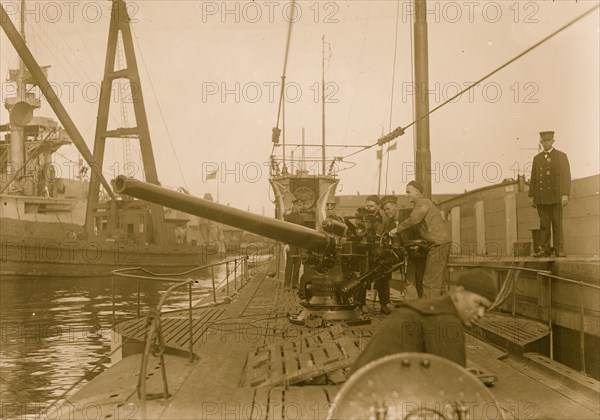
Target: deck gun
[339,258]
[365,255]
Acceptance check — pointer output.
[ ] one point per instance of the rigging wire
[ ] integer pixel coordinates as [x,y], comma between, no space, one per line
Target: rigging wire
[276,130]
[40,41]
[59,58]
[162,116]
[104,17]
[504,65]
[387,163]
[398,131]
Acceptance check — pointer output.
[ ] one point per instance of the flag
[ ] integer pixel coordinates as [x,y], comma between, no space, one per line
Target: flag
[392,147]
[212,175]
[379,154]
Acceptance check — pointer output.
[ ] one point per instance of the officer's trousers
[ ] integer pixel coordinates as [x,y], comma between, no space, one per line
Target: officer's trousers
[550,218]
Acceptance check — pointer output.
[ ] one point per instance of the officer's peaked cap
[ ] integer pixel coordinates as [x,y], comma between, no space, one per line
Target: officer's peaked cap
[546,135]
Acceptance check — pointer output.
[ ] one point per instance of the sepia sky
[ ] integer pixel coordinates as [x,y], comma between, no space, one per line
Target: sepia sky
[211,73]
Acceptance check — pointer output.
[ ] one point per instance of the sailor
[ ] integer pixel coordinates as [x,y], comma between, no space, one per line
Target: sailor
[434,325]
[330,210]
[372,203]
[293,252]
[411,241]
[382,283]
[432,228]
[549,192]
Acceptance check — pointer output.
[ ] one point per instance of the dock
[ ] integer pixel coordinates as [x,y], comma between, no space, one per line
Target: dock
[250,363]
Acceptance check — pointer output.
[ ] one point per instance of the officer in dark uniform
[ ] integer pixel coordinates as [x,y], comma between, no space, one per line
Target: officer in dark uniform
[434,325]
[293,252]
[549,191]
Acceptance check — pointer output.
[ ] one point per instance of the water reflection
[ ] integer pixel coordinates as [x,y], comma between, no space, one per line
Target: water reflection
[53,331]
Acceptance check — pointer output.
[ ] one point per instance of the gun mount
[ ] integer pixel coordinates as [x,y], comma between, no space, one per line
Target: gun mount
[339,260]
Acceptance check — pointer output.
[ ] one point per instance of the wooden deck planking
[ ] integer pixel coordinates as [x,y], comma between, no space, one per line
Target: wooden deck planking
[276,406]
[308,402]
[210,387]
[240,405]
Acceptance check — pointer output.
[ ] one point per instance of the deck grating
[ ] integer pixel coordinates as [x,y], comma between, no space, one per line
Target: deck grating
[174,327]
[517,330]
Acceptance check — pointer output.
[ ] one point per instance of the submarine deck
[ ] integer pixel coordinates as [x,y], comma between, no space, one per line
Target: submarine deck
[225,382]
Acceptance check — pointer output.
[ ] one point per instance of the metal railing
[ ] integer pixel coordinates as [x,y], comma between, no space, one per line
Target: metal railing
[141,274]
[153,335]
[540,275]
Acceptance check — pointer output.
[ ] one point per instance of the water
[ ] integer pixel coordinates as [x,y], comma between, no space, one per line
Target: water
[54,331]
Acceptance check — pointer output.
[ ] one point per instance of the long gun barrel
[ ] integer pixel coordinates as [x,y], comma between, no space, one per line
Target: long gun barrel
[275,229]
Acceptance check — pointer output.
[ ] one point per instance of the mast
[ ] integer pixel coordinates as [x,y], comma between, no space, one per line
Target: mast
[283,120]
[380,159]
[303,156]
[38,77]
[422,148]
[20,108]
[323,163]
[17,128]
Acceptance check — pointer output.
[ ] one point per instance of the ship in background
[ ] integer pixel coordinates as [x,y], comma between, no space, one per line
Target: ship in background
[56,220]
[37,203]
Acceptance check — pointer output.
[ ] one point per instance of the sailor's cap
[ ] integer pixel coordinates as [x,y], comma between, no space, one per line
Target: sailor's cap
[373,198]
[388,199]
[477,281]
[417,185]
